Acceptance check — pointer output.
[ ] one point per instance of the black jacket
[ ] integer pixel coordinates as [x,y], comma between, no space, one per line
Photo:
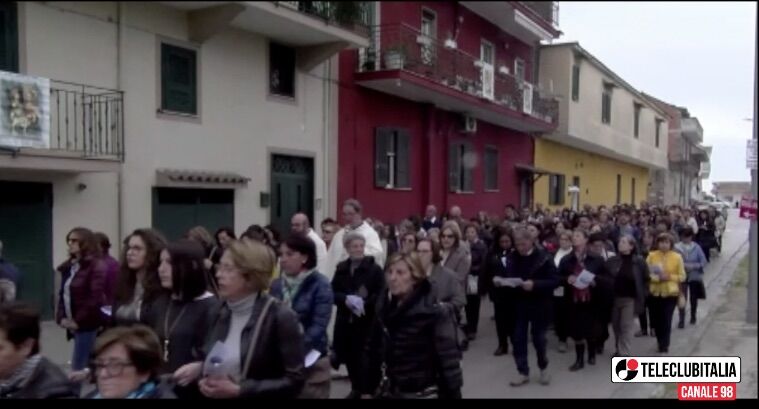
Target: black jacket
[539,267]
[417,341]
[602,294]
[46,382]
[366,282]
[494,267]
[276,368]
[641,274]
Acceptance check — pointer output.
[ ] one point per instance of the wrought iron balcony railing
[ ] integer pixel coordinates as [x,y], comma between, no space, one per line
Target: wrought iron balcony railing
[86,120]
[351,15]
[395,47]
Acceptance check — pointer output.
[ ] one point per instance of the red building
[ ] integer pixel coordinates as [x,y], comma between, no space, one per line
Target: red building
[441,108]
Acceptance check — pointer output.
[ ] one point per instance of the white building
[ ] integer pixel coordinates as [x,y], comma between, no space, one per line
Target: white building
[209,113]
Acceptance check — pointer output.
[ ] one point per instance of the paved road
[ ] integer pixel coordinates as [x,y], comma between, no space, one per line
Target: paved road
[486,376]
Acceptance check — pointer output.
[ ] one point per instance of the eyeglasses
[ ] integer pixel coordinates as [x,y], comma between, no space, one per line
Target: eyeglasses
[112,368]
[448,236]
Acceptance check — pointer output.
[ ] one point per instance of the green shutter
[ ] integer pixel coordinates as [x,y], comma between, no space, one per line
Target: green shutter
[8,37]
[382,146]
[575,83]
[402,149]
[491,169]
[467,185]
[178,79]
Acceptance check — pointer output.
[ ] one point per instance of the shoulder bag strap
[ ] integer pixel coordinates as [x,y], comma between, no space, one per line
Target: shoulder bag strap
[254,338]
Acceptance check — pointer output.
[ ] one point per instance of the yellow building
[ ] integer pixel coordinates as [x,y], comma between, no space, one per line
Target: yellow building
[601,180]
[609,137]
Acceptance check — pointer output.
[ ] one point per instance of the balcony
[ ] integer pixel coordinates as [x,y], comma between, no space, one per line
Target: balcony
[296,23]
[691,130]
[86,132]
[407,64]
[529,21]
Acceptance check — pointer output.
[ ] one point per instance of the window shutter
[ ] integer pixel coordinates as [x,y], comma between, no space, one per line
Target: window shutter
[178,78]
[402,149]
[8,37]
[468,150]
[382,141]
[454,166]
[575,83]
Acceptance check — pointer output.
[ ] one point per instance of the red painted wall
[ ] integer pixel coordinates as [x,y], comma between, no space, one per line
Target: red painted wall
[361,110]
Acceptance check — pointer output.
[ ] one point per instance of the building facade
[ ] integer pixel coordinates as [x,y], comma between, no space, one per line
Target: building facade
[609,135]
[441,108]
[170,115]
[688,159]
[731,192]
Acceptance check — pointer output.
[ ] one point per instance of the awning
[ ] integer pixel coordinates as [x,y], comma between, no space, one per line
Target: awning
[520,167]
[199,179]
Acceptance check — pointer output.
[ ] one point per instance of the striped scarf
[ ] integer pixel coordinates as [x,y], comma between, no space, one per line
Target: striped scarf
[21,375]
[291,285]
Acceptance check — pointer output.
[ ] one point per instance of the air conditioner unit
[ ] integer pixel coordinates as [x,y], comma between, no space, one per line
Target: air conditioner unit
[468,124]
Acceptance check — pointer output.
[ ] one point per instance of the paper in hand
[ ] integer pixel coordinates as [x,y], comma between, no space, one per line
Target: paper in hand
[513,282]
[584,279]
[311,358]
[107,310]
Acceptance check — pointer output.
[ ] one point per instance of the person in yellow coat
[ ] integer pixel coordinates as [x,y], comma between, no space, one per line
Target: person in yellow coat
[667,272]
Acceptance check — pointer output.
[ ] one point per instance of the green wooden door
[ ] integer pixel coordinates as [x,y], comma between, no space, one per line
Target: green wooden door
[26,230]
[8,36]
[175,211]
[292,190]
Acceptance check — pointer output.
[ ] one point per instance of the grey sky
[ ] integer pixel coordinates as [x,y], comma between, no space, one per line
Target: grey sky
[696,55]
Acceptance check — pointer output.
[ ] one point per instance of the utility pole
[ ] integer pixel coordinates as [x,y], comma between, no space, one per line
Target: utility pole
[751,314]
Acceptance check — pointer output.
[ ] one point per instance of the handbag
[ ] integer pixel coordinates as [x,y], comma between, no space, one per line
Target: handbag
[254,338]
[680,301]
[471,284]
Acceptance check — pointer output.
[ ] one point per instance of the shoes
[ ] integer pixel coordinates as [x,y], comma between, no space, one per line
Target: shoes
[501,351]
[681,324]
[353,395]
[545,377]
[520,380]
[562,347]
[580,359]
[641,334]
[591,359]
[692,320]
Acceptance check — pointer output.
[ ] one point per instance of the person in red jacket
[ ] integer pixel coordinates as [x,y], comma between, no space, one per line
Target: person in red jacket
[82,294]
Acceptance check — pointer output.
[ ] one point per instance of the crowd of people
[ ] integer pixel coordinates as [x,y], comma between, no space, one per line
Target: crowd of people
[217,316]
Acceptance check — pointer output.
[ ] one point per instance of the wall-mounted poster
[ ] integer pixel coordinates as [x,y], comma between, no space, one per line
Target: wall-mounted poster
[24,111]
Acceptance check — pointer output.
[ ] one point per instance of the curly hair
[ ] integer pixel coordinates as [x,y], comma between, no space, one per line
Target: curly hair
[154,244]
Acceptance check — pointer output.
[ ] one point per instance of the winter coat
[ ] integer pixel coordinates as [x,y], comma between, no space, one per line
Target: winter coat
[539,267]
[446,287]
[640,273]
[47,381]
[87,292]
[694,261]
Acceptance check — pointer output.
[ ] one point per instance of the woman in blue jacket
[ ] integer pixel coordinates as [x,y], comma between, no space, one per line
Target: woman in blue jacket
[694,260]
[309,294]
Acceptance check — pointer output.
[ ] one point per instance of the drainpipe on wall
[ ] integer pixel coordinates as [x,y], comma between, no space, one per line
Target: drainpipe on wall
[120,35]
[326,112]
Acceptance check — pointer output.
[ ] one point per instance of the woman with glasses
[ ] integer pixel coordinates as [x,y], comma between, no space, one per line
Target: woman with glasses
[82,294]
[183,315]
[126,365]
[443,280]
[138,285]
[255,345]
[408,243]
[455,255]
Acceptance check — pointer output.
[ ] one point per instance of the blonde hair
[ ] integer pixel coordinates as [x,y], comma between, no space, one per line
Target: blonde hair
[202,236]
[413,262]
[255,261]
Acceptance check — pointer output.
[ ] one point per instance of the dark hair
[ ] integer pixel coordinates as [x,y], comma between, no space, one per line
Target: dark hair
[597,237]
[154,244]
[686,231]
[103,242]
[228,230]
[665,237]
[276,236]
[88,245]
[254,232]
[202,236]
[328,220]
[188,279]
[20,322]
[302,244]
[412,234]
[435,247]
[141,343]
[583,232]
[500,232]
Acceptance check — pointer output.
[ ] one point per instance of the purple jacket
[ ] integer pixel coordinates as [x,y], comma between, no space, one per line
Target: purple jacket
[111,275]
[87,293]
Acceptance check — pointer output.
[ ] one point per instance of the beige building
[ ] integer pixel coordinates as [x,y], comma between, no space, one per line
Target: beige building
[170,114]
[731,192]
[609,136]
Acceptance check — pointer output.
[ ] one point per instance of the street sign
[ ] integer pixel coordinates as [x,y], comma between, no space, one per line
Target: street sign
[751,154]
[748,208]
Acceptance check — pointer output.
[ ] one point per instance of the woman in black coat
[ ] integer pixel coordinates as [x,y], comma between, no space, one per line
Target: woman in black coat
[356,285]
[631,277]
[705,236]
[587,306]
[479,252]
[503,303]
[413,347]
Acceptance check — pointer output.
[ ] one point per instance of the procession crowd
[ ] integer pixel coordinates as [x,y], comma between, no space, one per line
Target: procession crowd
[271,315]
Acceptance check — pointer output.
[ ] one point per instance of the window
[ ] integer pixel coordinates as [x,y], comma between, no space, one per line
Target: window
[281,70]
[519,69]
[658,126]
[491,168]
[460,164]
[429,33]
[619,189]
[179,79]
[8,36]
[391,158]
[556,190]
[636,120]
[575,82]
[606,103]
[632,192]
